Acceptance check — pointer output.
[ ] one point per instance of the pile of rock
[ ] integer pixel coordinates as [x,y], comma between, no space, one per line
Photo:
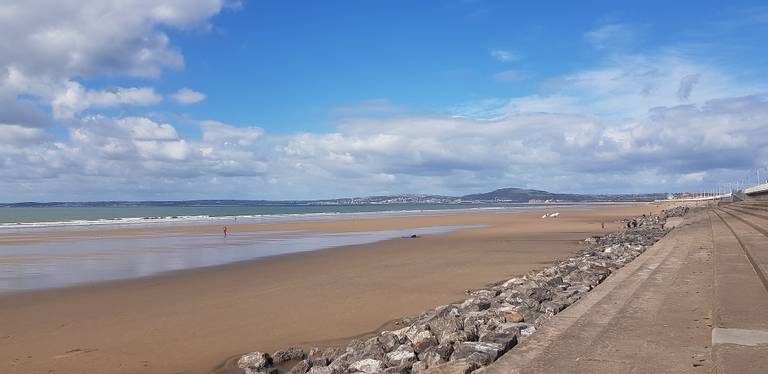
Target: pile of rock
[465,336]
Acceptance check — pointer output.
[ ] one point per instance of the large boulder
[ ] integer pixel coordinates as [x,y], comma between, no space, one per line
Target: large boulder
[506,340]
[293,353]
[389,341]
[445,326]
[322,370]
[419,367]
[367,365]
[512,315]
[431,357]
[300,368]
[481,352]
[254,362]
[323,356]
[424,340]
[341,363]
[403,356]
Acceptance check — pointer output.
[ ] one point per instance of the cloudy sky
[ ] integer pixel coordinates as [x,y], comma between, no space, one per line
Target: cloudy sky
[187,99]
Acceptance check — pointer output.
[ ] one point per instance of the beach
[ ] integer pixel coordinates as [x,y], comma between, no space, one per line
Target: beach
[195,321]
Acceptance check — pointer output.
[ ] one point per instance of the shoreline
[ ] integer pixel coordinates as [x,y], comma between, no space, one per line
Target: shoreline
[202,270]
[319,296]
[276,218]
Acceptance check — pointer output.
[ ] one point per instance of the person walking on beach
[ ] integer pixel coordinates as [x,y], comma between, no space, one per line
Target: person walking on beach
[225,231]
[602,224]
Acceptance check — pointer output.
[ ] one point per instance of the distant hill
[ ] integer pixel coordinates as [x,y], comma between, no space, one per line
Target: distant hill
[520,195]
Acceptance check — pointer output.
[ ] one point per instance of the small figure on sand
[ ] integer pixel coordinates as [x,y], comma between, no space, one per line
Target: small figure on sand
[226,230]
[602,224]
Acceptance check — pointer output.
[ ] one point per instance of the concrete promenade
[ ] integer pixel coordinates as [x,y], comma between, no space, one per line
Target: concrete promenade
[695,302]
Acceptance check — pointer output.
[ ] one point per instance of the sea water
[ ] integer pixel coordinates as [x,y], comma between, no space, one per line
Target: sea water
[68,261]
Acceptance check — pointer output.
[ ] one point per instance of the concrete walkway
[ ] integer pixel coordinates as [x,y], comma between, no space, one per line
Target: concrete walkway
[663,312]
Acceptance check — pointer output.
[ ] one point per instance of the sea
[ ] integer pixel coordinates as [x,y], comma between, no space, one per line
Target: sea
[52,217]
[54,247]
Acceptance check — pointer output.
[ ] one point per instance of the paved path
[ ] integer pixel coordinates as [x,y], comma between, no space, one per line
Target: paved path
[701,285]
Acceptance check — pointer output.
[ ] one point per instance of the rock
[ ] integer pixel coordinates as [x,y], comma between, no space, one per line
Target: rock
[292,353]
[431,357]
[418,367]
[511,327]
[254,362]
[341,363]
[484,294]
[513,282]
[444,326]
[323,357]
[444,350]
[321,370]
[372,348]
[506,340]
[479,358]
[539,294]
[453,367]
[513,316]
[414,330]
[459,336]
[402,356]
[302,367]
[551,308]
[475,305]
[367,365]
[528,331]
[389,341]
[397,370]
[423,340]
[402,334]
[466,349]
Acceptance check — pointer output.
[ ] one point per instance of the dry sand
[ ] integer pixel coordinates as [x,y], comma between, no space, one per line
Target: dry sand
[193,321]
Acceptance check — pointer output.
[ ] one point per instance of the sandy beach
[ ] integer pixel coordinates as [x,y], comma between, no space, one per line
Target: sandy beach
[192,321]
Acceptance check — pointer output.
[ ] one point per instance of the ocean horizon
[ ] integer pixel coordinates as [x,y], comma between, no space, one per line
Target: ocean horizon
[52,217]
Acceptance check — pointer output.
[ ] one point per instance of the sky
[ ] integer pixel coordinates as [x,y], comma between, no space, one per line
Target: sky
[225,99]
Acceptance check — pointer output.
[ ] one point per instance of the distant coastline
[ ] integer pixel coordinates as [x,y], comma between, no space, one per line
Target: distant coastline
[504,195]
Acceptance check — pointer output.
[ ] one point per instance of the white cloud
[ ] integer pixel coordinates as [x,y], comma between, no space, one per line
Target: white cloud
[671,148]
[22,112]
[627,86]
[215,132]
[15,135]
[74,98]
[187,96]
[66,41]
[69,38]
[503,56]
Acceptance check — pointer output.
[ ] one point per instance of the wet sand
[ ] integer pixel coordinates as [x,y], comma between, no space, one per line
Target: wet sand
[191,321]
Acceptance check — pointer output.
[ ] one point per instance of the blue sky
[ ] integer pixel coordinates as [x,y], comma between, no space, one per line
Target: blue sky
[325,99]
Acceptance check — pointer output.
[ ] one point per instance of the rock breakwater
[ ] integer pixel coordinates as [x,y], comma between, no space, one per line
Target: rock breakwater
[462,337]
